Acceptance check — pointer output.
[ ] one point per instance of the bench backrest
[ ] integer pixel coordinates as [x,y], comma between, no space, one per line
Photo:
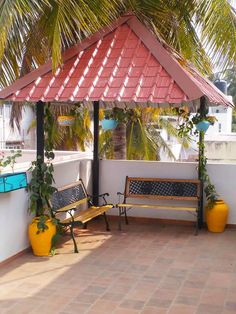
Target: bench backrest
[69,196]
[159,188]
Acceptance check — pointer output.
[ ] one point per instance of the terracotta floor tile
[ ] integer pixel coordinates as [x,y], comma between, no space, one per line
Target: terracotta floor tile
[145,269]
[153,310]
[219,280]
[209,309]
[214,296]
[182,309]
[132,304]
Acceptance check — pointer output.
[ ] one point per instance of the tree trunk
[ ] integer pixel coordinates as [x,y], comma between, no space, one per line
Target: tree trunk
[119,141]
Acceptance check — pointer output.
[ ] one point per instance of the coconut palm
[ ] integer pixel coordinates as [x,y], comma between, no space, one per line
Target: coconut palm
[138,135]
[34,31]
[78,136]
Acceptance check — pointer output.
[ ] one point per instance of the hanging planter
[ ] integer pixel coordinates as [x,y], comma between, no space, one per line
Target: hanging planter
[203,126]
[109,124]
[66,120]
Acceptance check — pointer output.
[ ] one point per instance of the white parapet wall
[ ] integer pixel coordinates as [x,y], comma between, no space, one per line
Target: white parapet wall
[14,217]
[113,173]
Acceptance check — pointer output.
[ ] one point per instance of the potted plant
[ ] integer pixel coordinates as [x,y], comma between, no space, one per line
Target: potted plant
[202,123]
[43,227]
[68,119]
[216,209]
[109,123]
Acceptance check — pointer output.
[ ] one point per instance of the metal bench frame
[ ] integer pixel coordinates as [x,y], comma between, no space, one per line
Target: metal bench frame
[67,199]
[149,193]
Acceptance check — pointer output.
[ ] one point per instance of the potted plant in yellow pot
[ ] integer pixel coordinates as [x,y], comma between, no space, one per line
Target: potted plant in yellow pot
[216,209]
[43,227]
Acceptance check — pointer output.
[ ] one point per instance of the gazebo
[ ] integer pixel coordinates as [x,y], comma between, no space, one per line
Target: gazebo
[123,62]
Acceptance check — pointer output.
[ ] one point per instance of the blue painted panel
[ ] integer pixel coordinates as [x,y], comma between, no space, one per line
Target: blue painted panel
[13,181]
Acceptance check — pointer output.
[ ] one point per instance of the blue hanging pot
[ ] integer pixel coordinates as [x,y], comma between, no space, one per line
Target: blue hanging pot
[203,126]
[109,124]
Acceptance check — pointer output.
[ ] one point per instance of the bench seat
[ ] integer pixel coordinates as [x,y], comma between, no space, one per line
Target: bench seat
[86,215]
[157,206]
[68,199]
[153,190]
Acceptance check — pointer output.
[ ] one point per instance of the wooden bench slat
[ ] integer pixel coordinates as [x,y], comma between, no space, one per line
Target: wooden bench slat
[72,205]
[84,216]
[160,197]
[147,190]
[68,198]
[179,207]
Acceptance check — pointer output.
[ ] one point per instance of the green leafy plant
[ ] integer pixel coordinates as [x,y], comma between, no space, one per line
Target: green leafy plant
[186,127]
[41,185]
[9,160]
[198,118]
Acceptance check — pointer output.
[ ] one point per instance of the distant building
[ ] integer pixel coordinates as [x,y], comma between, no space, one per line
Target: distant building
[15,139]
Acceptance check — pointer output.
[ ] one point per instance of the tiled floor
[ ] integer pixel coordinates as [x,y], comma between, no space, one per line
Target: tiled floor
[146,268]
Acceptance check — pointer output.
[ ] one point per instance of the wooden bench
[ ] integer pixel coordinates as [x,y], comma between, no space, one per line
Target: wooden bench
[159,189]
[67,200]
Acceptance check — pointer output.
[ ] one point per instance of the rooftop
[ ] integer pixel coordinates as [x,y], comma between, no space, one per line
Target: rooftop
[146,268]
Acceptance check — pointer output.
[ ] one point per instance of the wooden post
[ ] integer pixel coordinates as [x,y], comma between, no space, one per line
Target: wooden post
[40,142]
[95,167]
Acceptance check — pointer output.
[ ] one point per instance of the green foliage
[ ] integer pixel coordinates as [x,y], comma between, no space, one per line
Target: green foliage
[186,127]
[9,160]
[41,185]
[34,31]
[144,141]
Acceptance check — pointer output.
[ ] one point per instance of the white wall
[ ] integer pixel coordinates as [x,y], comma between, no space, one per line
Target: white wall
[14,217]
[13,206]
[113,173]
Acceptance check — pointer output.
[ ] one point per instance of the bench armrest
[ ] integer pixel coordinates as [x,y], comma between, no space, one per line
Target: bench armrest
[119,194]
[103,196]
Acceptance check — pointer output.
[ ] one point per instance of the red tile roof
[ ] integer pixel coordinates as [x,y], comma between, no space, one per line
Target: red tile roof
[124,62]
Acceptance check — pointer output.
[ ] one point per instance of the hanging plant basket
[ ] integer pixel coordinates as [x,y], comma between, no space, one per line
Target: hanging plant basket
[66,120]
[109,124]
[203,125]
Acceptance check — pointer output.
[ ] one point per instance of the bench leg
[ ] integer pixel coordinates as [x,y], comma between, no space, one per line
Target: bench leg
[119,219]
[106,221]
[196,226]
[73,238]
[126,218]
[85,225]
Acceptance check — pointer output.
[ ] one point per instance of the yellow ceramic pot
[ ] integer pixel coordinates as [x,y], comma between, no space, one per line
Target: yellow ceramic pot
[216,217]
[41,242]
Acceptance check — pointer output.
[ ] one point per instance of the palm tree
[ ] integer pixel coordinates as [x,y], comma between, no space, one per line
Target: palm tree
[34,31]
[77,136]
[137,136]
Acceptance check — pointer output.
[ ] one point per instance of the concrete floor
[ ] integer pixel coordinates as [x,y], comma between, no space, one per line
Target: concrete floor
[146,268]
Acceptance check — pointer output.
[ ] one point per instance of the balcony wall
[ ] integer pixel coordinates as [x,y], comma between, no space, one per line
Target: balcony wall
[13,206]
[14,217]
[113,173]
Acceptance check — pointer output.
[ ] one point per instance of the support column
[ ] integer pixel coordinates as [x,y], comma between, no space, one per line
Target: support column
[202,111]
[40,142]
[95,167]
[40,129]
